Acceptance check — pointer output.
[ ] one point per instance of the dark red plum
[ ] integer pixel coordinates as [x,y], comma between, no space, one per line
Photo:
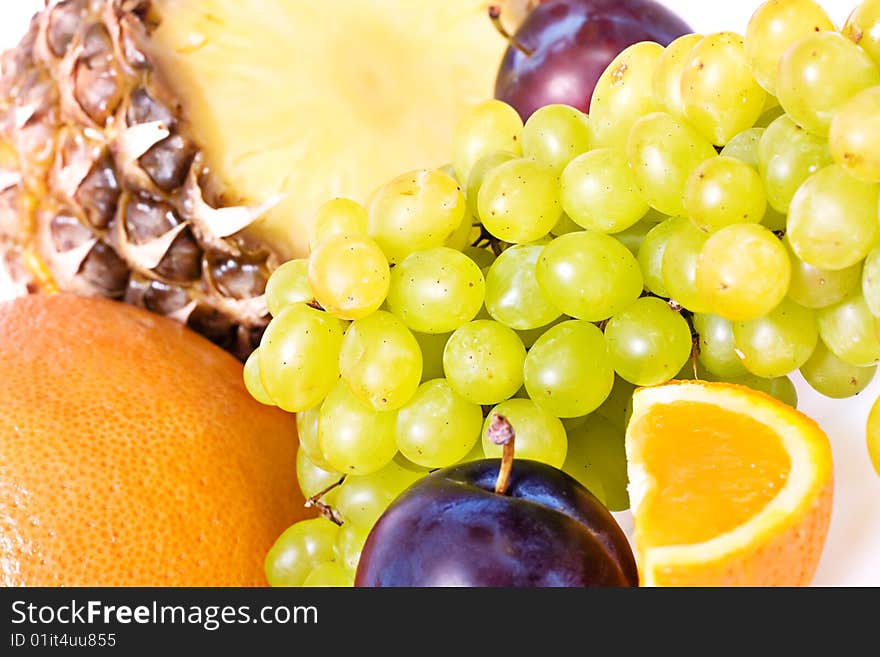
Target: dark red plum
[453,529]
[569,45]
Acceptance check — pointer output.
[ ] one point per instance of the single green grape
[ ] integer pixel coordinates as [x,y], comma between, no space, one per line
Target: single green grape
[328,574]
[298,550]
[830,376]
[779,342]
[518,201]
[478,174]
[438,427]
[599,191]
[483,361]
[432,346]
[540,436]
[488,127]
[817,288]
[854,135]
[338,216]
[568,371]
[597,459]
[623,93]
[354,437]
[662,151]
[666,81]
[817,74]
[349,545]
[850,331]
[349,275]
[718,353]
[299,357]
[862,27]
[363,498]
[720,95]
[650,256]
[252,382]
[648,342]
[513,296]
[787,156]
[555,134]
[870,280]
[417,210]
[436,291]
[723,191]
[679,260]
[588,275]
[774,28]
[307,433]
[743,272]
[744,146]
[381,361]
[832,222]
[780,388]
[872,435]
[288,285]
[313,479]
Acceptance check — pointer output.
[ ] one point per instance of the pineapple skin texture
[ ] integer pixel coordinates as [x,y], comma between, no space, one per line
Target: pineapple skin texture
[102,188]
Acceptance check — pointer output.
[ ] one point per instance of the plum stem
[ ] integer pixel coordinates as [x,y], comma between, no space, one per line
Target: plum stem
[501,433]
[324,509]
[495,17]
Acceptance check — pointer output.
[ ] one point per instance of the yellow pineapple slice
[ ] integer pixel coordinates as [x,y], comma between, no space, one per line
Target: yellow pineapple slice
[322,98]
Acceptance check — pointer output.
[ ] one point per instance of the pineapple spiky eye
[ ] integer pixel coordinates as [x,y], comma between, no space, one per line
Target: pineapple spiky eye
[172,153]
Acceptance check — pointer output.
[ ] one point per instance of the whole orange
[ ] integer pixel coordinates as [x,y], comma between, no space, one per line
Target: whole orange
[131,453]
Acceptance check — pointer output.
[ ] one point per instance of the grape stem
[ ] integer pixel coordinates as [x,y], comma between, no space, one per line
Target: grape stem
[324,509]
[695,352]
[495,17]
[501,433]
[488,239]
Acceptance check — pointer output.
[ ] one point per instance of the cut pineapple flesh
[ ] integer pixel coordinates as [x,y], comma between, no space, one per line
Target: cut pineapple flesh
[322,98]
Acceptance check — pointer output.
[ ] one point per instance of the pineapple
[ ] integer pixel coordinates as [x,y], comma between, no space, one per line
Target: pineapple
[171,153]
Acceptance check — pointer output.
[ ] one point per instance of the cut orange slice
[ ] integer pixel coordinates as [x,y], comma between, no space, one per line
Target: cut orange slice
[728,486]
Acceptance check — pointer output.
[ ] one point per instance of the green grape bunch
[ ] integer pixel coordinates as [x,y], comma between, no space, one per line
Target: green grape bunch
[714,216]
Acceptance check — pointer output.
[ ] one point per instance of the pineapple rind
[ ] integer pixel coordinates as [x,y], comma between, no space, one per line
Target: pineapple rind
[100,180]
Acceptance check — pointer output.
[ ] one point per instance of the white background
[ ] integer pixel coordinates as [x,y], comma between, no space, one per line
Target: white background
[852,554]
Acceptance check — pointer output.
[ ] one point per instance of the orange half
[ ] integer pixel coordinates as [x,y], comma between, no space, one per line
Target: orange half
[728,486]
